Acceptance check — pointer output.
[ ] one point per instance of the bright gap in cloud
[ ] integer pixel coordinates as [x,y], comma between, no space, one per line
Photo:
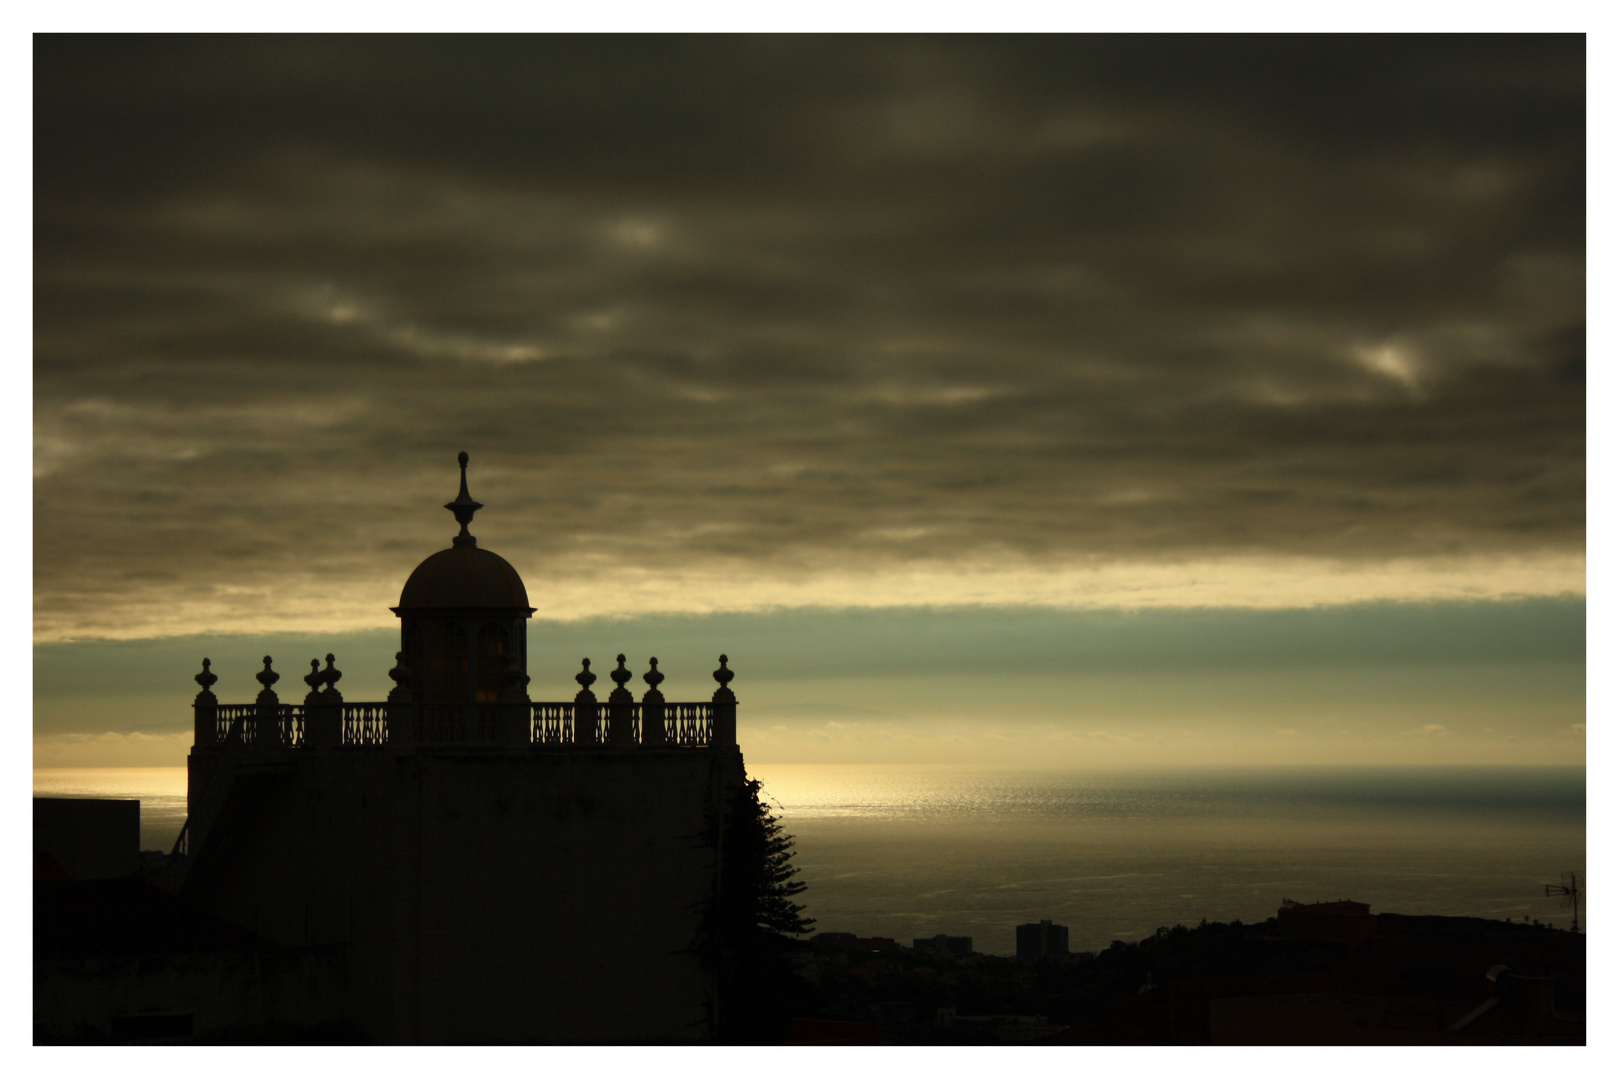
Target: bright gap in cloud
[569,593]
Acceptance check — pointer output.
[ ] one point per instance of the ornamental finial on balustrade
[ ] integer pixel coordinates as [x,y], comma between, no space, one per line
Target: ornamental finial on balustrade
[723,676]
[652,728]
[401,674]
[206,679]
[313,679]
[267,679]
[464,507]
[330,677]
[584,731]
[621,675]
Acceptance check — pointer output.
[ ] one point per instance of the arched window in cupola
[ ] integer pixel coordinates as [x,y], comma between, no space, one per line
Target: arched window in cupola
[449,663]
[493,648]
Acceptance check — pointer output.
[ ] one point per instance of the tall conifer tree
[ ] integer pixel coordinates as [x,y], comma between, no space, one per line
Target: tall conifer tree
[753,923]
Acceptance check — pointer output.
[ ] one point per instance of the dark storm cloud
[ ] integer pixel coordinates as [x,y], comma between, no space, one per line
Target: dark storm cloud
[800,303]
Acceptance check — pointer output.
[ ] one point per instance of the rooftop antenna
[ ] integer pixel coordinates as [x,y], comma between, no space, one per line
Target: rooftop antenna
[1570,890]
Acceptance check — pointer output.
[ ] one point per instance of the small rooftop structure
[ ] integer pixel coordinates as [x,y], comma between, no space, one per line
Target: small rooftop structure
[944,945]
[1044,938]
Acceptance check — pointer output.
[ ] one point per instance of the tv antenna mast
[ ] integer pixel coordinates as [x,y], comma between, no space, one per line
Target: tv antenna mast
[1570,890]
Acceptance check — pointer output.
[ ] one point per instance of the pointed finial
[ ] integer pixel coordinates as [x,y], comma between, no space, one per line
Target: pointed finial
[585,678]
[331,675]
[313,679]
[205,678]
[267,679]
[725,674]
[653,677]
[621,674]
[464,507]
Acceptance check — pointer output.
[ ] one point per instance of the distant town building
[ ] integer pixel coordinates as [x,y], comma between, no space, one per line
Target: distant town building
[837,941]
[1344,922]
[878,944]
[1044,938]
[944,945]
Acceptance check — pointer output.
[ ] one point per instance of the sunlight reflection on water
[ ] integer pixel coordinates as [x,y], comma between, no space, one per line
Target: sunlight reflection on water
[161,791]
[911,851]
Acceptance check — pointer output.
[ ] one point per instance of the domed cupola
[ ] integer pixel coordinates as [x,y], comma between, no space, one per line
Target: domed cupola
[463,577]
[463,615]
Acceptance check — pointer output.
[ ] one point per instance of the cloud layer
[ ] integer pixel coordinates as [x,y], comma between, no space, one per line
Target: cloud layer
[732,323]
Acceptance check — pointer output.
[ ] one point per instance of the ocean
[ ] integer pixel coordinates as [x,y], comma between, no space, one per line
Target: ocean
[914,851]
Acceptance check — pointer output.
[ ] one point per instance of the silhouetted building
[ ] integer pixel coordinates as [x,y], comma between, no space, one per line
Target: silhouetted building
[944,945]
[495,869]
[1344,922]
[86,839]
[1044,938]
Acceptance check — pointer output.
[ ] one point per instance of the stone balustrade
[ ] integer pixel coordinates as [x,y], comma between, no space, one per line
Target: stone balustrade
[325,721]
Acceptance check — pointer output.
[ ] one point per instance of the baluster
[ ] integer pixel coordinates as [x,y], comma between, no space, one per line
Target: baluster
[232,725]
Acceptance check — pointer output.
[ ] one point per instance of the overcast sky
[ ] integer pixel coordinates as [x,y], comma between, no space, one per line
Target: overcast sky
[739,324]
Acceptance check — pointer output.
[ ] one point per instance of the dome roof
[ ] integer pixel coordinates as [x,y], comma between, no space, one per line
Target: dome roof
[464,577]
